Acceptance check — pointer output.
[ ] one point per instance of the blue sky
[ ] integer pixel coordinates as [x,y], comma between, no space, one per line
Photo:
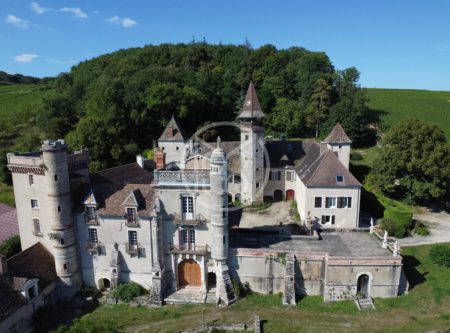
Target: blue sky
[394,44]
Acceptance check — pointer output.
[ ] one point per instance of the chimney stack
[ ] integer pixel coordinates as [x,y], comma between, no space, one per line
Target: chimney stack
[160,159]
[170,132]
[3,265]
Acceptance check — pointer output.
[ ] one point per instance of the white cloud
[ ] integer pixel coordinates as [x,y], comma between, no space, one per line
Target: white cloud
[125,22]
[77,12]
[17,22]
[25,57]
[34,6]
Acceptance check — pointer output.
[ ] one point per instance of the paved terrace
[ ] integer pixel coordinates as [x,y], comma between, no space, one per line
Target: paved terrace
[336,244]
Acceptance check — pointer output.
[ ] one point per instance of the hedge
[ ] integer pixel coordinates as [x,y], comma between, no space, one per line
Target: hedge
[440,254]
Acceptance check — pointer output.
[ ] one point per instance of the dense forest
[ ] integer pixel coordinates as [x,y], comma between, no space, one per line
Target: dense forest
[6,78]
[117,104]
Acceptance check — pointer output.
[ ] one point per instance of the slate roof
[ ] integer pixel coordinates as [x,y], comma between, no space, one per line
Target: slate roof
[173,132]
[251,107]
[287,153]
[8,222]
[323,171]
[337,135]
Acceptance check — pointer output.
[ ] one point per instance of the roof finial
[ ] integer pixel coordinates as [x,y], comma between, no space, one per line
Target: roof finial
[218,142]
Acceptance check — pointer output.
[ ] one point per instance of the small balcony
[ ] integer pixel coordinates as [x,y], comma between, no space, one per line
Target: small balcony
[180,219]
[133,222]
[189,249]
[93,247]
[133,249]
[91,219]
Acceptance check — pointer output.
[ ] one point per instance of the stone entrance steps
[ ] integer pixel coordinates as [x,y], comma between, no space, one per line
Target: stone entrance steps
[364,303]
[191,296]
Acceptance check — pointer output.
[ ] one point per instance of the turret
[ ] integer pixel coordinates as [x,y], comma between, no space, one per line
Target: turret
[252,148]
[338,141]
[54,155]
[219,203]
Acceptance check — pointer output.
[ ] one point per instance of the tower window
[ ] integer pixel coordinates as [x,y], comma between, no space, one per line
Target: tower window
[246,137]
[37,227]
[224,239]
[257,150]
[61,241]
[257,185]
[177,148]
[59,209]
[56,178]
[34,203]
[31,179]
[66,267]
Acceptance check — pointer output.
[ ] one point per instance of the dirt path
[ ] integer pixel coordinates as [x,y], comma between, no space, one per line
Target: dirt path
[438,225]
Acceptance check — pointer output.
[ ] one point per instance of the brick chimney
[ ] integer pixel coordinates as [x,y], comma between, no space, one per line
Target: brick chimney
[160,159]
[3,265]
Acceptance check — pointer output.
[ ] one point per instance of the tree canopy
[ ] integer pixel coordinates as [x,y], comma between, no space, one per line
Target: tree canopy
[414,163]
[117,104]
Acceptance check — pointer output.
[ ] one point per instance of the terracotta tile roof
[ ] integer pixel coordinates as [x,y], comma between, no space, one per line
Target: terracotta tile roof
[34,262]
[8,222]
[173,132]
[111,198]
[251,107]
[10,299]
[337,135]
[324,170]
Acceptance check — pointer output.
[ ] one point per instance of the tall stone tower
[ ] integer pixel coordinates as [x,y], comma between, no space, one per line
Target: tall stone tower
[219,222]
[252,148]
[59,207]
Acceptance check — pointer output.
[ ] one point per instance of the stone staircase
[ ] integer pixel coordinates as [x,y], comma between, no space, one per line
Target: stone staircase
[186,296]
[229,290]
[364,303]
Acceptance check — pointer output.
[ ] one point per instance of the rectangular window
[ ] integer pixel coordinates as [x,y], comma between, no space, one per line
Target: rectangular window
[339,178]
[131,214]
[37,227]
[187,235]
[93,237]
[31,179]
[187,203]
[318,202]
[246,137]
[237,178]
[34,203]
[328,219]
[331,202]
[344,202]
[290,176]
[257,185]
[275,176]
[132,237]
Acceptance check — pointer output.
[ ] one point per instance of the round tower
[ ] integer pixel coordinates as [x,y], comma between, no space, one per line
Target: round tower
[219,203]
[59,207]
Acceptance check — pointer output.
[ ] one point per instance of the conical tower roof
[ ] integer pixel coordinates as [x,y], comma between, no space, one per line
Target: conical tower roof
[337,135]
[251,108]
[172,132]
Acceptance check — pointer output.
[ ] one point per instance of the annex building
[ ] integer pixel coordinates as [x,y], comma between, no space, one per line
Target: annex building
[171,225]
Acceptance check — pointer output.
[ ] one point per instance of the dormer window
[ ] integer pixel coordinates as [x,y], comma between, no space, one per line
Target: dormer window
[131,214]
[339,178]
[91,214]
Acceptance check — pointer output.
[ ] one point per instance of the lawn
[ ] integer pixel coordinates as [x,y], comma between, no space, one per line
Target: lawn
[397,104]
[425,308]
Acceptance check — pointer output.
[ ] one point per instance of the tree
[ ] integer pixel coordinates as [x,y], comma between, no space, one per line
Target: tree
[320,100]
[414,164]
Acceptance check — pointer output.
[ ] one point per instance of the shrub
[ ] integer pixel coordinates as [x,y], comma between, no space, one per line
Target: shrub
[440,254]
[354,156]
[397,222]
[421,229]
[10,247]
[126,292]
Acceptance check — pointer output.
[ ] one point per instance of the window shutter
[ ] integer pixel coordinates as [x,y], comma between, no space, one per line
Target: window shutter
[323,219]
[332,219]
[327,202]
[349,202]
[340,202]
[279,175]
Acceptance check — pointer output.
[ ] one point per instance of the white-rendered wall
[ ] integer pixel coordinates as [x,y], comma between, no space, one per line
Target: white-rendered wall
[170,149]
[109,231]
[343,151]
[283,184]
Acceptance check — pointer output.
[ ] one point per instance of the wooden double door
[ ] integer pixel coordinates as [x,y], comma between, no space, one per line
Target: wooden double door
[189,273]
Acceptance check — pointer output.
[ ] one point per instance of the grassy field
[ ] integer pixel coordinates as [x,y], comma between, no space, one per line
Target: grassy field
[396,104]
[426,308]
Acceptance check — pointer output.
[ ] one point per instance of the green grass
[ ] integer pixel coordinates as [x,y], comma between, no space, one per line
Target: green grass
[429,106]
[425,308]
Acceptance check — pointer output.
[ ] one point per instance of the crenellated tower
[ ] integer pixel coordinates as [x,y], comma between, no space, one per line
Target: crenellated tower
[219,222]
[59,208]
[252,148]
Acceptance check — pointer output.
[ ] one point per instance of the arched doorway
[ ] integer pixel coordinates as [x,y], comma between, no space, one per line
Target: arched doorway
[230,198]
[189,273]
[290,194]
[277,195]
[104,284]
[363,285]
